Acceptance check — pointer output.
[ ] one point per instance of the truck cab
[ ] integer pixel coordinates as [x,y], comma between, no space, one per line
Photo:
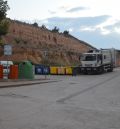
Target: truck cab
[91,59]
[96,62]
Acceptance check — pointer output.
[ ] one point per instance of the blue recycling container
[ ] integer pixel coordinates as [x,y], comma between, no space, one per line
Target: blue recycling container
[42,70]
[46,70]
[39,69]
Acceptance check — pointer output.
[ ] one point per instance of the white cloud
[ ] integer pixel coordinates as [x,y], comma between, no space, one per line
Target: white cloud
[104,31]
[45,21]
[96,7]
[39,10]
[70,30]
[51,12]
[117,30]
[103,27]
[87,28]
[110,21]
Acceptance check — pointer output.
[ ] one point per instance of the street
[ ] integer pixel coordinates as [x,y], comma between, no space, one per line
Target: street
[69,102]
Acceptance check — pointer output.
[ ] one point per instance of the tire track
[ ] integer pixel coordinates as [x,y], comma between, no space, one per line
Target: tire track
[62,100]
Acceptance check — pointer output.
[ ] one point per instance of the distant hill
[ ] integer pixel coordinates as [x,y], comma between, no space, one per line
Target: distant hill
[42,46]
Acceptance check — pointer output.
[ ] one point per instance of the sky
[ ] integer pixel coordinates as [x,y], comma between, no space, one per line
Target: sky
[96,22]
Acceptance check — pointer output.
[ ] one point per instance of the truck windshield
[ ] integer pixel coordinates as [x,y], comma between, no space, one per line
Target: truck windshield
[88,57]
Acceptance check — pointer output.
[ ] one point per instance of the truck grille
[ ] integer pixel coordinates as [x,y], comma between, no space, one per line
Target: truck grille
[88,65]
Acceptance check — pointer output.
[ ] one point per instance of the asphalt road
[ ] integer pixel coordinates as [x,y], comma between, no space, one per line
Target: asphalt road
[72,102]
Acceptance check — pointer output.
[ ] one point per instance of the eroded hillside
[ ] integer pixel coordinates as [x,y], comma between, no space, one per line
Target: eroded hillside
[40,45]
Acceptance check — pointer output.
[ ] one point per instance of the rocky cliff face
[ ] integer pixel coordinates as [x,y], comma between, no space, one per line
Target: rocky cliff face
[40,45]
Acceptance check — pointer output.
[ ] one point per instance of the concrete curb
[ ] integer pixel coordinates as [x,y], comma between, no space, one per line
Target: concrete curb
[26,84]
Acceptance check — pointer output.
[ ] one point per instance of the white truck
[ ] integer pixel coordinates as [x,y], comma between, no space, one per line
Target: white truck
[98,61]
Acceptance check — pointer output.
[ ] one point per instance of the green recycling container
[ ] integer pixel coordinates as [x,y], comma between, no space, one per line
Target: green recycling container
[26,70]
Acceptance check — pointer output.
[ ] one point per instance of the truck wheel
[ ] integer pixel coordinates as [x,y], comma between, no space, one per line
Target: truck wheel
[101,70]
[85,73]
[111,69]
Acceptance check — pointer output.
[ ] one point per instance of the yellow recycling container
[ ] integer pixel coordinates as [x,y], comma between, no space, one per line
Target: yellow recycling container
[68,71]
[53,70]
[61,70]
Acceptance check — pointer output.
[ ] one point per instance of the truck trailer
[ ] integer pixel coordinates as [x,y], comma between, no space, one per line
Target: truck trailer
[98,61]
